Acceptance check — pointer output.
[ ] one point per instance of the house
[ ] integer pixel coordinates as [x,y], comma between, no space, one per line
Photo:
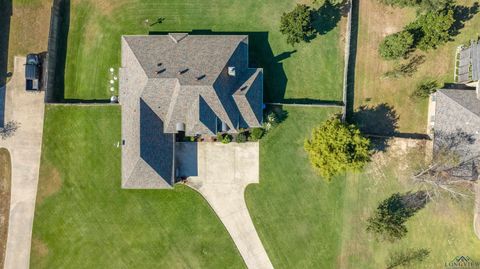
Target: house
[454,123]
[195,84]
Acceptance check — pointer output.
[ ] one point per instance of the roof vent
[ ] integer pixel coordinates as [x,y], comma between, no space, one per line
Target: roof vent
[159,64]
[243,88]
[160,71]
[231,71]
[183,71]
[201,77]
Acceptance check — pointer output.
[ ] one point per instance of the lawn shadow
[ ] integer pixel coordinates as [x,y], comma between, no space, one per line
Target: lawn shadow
[462,14]
[381,119]
[352,58]
[326,17]
[57,51]
[5,17]
[260,56]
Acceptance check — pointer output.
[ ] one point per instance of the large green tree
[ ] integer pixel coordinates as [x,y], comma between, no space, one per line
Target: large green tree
[335,147]
[396,45]
[297,24]
[432,28]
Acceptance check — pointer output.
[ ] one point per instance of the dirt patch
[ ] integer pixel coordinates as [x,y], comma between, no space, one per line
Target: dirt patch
[5,186]
[39,247]
[50,182]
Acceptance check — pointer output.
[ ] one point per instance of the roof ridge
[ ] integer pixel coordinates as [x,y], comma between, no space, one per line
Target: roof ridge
[460,104]
[171,106]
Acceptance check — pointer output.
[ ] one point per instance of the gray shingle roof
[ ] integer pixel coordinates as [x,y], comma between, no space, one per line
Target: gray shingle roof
[457,122]
[167,80]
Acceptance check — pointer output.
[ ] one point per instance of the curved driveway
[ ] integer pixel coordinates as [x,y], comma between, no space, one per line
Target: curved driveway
[25,146]
[223,172]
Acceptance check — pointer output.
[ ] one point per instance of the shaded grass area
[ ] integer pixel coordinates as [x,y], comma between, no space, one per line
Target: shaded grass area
[83,219]
[372,88]
[5,188]
[444,227]
[297,214]
[310,70]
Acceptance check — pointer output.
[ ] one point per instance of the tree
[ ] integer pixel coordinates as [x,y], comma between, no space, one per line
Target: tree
[396,45]
[407,257]
[335,147]
[9,129]
[432,28]
[297,24]
[425,5]
[451,170]
[401,3]
[424,89]
[388,221]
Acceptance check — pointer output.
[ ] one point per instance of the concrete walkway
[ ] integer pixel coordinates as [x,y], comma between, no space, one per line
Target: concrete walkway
[476,217]
[25,146]
[223,173]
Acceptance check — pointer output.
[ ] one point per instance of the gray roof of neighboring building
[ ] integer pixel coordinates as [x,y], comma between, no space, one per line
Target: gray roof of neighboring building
[457,121]
[167,80]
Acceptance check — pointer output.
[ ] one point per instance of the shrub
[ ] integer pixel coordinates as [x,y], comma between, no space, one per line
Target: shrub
[271,120]
[219,136]
[396,45]
[424,89]
[226,139]
[256,134]
[241,138]
[297,24]
[335,147]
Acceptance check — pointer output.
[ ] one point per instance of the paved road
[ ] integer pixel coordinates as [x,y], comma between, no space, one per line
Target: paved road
[476,217]
[25,146]
[223,173]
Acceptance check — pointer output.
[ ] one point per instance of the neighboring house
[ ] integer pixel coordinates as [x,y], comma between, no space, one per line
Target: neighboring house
[455,123]
[196,84]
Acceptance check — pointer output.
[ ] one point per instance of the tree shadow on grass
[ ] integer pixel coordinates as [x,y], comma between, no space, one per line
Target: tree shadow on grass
[381,119]
[462,14]
[326,17]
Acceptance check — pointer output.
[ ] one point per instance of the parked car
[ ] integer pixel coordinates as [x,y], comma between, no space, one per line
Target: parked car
[32,72]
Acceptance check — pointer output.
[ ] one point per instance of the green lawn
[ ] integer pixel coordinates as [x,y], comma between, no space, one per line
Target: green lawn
[83,219]
[444,226]
[297,214]
[313,70]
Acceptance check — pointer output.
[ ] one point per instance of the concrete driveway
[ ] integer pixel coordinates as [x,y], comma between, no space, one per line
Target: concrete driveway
[25,146]
[222,173]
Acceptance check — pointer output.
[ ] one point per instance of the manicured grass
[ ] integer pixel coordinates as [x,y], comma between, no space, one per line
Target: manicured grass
[298,215]
[372,88]
[83,219]
[444,226]
[312,70]
[5,188]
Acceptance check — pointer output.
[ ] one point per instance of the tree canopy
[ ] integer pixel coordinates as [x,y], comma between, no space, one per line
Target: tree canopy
[432,28]
[396,45]
[297,24]
[335,147]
